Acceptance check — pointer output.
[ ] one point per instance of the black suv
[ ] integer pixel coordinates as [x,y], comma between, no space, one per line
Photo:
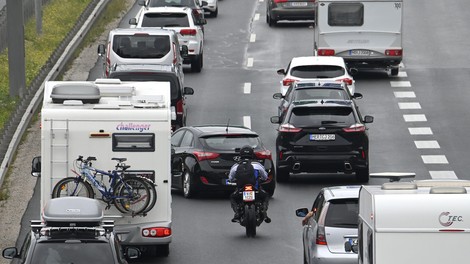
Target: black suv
[322,136]
[155,72]
[73,231]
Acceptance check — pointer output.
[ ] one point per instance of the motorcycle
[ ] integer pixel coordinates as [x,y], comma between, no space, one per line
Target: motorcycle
[251,210]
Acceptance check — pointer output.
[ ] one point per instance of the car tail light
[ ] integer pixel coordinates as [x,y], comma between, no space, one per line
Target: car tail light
[326,52]
[394,52]
[156,232]
[287,82]
[265,154]
[248,187]
[348,81]
[289,128]
[281,154]
[188,31]
[175,58]
[179,107]
[321,238]
[355,128]
[363,154]
[280,1]
[202,155]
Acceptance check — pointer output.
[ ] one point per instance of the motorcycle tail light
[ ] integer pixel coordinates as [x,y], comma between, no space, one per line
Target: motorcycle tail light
[248,188]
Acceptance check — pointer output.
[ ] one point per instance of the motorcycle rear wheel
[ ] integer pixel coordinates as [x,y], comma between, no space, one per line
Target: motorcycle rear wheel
[250,220]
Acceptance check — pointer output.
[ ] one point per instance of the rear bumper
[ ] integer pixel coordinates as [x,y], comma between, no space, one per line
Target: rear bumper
[324,162]
[372,63]
[322,255]
[278,13]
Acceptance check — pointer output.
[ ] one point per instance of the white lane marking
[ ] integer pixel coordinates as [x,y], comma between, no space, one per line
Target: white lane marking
[405,94]
[412,105]
[427,144]
[415,118]
[247,88]
[434,159]
[250,62]
[400,84]
[253,38]
[261,0]
[247,121]
[401,74]
[256,16]
[420,130]
[443,174]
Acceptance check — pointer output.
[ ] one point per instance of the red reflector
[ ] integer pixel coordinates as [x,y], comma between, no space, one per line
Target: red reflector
[394,52]
[363,154]
[355,128]
[202,155]
[100,135]
[280,155]
[265,154]
[280,1]
[204,180]
[326,52]
[451,230]
[288,128]
[287,82]
[188,31]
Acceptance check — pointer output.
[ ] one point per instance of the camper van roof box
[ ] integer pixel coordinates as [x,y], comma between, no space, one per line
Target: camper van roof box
[85,92]
[443,183]
[73,212]
[399,186]
[448,190]
[393,176]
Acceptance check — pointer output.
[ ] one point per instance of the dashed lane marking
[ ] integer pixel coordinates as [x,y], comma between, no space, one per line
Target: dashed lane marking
[401,74]
[247,88]
[256,17]
[400,84]
[443,174]
[247,121]
[420,130]
[415,118]
[253,38]
[434,159]
[250,62]
[409,105]
[427,144]
[405,94]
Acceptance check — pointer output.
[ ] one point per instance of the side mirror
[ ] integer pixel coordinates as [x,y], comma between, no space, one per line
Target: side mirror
[132,253]
[275,119]
[101,50]
[10,253]
[184,51]
[133,21]
[36,167]
[351,246]
[188,91]
[368,119]
[302,212]
[204,3]
[278,96]
[201,22]
[357,95]
[141,2]
[281,72]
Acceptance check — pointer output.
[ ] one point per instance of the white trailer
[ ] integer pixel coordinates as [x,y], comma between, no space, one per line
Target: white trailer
[108,119]
[366,33]
[426,221]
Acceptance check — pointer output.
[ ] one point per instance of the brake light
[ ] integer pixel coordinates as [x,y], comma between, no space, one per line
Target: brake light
[265,154]
[348,81]
[156,232]
[280,1]
[288,128]
[202,155]
[326,52]
[321,238]
[248,188]
[287,82]
[394,52]
[188,31]
[355,128]
[179,107]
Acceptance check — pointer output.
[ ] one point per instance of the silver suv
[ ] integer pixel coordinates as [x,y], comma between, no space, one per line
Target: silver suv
[333,223]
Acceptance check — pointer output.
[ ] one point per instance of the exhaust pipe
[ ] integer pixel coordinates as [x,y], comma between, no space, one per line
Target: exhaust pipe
[347,166]
[353,71]
[296,166]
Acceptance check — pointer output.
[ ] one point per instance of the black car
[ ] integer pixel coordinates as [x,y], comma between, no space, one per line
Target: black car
[203,155]
[289,10]
[155,72]
[323,136]
[308,91]
[72,231]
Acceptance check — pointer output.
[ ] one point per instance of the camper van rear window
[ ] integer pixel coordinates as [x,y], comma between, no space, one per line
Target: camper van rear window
[345,14]
[129,142]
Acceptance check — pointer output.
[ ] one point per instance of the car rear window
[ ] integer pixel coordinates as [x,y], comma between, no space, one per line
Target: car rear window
[230,142]
[309,94]
[322,116]
[177,3]
[317,71]
[165,20]
[342,213]
[346,14]
[141,46]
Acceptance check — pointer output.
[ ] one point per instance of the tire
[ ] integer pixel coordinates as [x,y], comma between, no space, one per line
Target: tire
[271,22]
[282,175]
[215,13]
[72,186]
[270,188]
[132,196]
[196,64]
[362,175]
[153,194]
[250,220]
[394,71]
[188,185]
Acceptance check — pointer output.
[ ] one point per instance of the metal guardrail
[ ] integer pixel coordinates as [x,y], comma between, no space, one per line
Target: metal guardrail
[29,103]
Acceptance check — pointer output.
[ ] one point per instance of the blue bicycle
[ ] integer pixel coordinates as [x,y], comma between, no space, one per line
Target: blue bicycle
[129,194]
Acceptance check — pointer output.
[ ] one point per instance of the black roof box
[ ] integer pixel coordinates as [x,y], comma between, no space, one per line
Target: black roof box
[73,211]
[85,92]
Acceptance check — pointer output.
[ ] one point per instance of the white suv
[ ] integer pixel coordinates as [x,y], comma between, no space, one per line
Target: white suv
[183,22]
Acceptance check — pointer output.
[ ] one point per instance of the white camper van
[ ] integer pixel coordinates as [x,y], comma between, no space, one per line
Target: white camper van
[109,119]
[366,33]
[425,221]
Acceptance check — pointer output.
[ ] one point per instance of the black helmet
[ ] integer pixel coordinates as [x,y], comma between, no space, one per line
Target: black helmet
[246,152]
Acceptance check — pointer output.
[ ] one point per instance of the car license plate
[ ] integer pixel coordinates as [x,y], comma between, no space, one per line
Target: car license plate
[322,137]
[298,4]
[359,52]
[248,196]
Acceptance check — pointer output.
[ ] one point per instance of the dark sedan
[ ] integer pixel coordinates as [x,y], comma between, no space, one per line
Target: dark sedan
[203,155]
[289,10]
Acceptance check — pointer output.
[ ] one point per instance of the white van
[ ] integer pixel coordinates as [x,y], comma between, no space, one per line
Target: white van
[425,221]
[109,119]
[142,46]
[366,33]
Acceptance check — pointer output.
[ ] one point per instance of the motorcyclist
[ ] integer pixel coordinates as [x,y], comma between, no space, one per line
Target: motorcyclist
[247,155]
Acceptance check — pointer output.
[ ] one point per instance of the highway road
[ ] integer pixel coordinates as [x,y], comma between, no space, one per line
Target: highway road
[240,49]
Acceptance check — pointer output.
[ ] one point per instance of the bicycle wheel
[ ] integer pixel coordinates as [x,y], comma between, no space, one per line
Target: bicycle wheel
[72,186]
[153,194]
[132,195]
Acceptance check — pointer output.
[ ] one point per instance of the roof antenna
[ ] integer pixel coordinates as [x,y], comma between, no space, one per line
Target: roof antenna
[226,129]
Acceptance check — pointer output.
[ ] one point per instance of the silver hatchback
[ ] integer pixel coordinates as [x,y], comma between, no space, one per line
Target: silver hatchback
[333,223]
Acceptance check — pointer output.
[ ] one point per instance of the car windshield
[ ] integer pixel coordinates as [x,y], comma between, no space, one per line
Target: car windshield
[342,213]
[141,46]
[317,71]
[165,20]
[322,116]
[230,142]
[307,94]
[177,3]
[73,251]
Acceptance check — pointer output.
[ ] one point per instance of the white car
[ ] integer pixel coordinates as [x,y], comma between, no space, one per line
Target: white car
[212,7]
[322,68]
[182,21]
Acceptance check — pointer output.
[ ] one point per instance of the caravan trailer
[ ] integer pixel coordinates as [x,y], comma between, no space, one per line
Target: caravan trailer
[366,33]
[109,119]
[423,221]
